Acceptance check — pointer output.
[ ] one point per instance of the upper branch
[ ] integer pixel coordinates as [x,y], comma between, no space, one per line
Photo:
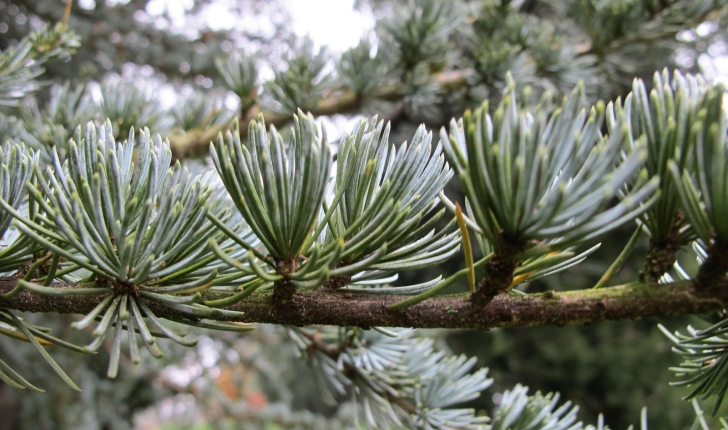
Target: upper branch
[338,102]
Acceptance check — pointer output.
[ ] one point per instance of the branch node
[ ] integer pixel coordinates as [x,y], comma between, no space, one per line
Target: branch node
[712,272]
[284,289]
[498,273]
[663,253]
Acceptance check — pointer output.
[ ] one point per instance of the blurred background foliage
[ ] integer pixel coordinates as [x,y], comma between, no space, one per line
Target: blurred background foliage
[186,69]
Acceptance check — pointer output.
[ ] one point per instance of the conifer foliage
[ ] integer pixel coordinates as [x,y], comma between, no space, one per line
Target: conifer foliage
[99,217]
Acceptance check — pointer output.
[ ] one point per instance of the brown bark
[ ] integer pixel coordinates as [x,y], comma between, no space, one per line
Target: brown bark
[712,273]
[660,259]
[624,302]
[663,252]
[498,272]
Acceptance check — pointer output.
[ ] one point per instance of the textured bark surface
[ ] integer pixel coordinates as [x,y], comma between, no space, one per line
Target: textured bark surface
[624,302]
[663,253]
[712,273]
[498,277]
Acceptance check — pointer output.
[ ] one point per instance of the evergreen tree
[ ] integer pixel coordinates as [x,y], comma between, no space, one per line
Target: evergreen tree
[365,232]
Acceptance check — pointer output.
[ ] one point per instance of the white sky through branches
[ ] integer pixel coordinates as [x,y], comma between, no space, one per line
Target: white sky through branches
[332,23]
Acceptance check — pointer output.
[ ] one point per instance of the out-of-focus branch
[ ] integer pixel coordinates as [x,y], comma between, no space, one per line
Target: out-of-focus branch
[197,142]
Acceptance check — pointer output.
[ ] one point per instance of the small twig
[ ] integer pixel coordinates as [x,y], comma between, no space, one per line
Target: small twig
[66,14]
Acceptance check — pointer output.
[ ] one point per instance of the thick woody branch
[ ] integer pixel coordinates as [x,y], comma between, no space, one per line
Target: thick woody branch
[625,302]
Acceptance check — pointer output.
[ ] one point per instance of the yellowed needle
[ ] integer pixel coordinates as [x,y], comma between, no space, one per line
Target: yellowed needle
[467,248]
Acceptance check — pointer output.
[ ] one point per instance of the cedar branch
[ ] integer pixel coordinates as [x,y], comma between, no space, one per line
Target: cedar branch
[625,302]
